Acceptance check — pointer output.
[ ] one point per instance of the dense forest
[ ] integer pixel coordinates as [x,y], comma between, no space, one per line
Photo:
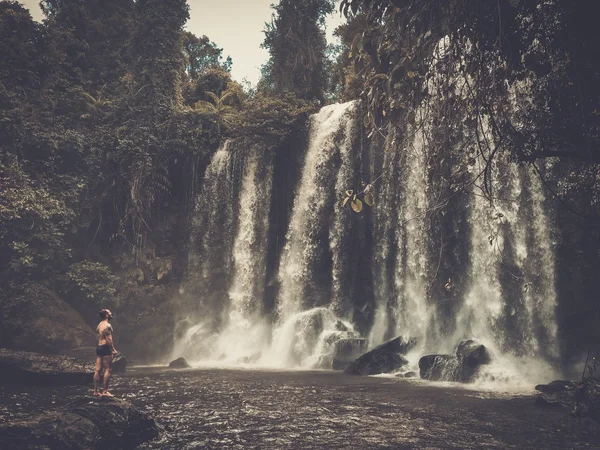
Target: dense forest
[110,112]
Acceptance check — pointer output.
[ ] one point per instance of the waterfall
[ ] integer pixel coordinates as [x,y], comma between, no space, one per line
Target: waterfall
[245,331]
[343,277]
[306,252]
[227,270]
[212,228]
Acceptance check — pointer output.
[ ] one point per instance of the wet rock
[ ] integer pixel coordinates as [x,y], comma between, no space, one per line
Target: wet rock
[50,431]
[556,393]
[83,424]
[410,375]
[556,386]
[461,367]
[36,369]
[119,363]
[349,348]
[40,321]
[121,424]
[473,353]
[384,358]
[400,345]
[376,361]
[440,368]
[179,363]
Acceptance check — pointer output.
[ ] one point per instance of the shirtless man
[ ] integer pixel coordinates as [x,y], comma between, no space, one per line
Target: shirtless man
[104,352]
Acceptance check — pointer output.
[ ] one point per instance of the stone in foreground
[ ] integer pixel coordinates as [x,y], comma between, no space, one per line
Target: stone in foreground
[36,369]
[179,363]
[375,362]
[461,367]
[85,423]
[384,358]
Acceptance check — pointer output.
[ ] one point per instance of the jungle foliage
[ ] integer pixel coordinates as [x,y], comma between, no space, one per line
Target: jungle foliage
[407,53]
[297,46]
[95,138]
[109,110]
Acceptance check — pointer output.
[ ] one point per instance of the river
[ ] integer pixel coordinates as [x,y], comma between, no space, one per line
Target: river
[241,409]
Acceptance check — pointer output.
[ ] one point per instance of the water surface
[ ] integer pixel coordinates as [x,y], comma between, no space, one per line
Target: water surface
[240,409]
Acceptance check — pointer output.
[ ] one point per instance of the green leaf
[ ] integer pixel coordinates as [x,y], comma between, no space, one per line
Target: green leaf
[369,199]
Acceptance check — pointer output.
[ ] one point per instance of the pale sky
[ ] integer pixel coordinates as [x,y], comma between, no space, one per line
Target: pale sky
[234,25]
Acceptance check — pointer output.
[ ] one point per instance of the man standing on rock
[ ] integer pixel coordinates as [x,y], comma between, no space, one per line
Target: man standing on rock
[104,352]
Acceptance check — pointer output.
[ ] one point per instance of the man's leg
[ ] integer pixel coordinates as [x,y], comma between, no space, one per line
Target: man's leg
[107,364]
[97,375]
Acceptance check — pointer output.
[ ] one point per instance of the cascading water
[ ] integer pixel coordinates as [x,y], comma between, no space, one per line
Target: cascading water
[306,250]
[232,269]
[313,261]
[508,298]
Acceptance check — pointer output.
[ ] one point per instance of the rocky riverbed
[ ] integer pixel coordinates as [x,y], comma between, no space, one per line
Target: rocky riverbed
[275,409]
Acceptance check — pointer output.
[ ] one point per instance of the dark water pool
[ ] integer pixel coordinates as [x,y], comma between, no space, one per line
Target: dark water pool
[240,409]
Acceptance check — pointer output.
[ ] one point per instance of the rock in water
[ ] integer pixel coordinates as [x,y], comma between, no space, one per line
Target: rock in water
[121,424]
[400,345]
[50,431]
[440,368]
[83,424]
[119,363]
[556,393]
[179,363]
[384,358]
[376,361]
[461,367]
[36,369]
[473,353]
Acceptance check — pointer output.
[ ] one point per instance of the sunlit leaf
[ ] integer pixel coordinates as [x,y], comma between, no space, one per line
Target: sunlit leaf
[356,205]
[345,202]
[349,193]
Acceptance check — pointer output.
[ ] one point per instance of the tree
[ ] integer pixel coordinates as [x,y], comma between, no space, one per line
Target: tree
[156,49]
[201,53]
[296,44]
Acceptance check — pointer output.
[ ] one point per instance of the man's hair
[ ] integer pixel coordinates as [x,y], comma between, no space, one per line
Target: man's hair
[104,313]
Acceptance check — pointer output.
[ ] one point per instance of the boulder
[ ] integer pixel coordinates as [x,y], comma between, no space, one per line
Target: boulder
[40,321]
[410,375]
[375,362]
[119,363]
[400,345]
[83,424]
[121,424]
[50,431]
[556,393]
[473,353]
[36,369]
[556,386]
[461,367]
[179,363]
[440,368]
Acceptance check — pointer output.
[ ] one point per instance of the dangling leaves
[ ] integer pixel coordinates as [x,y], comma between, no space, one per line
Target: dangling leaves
[356,205]
[368,198]
[345,202]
